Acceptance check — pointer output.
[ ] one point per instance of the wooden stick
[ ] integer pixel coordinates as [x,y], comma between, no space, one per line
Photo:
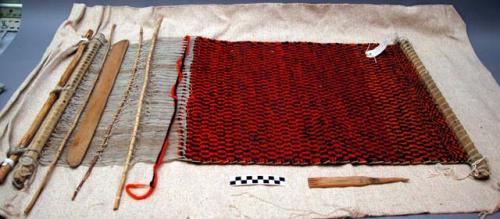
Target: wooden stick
[133,138]
[350,181]
[60,149]
[35,125]
[116,114]
[30,157]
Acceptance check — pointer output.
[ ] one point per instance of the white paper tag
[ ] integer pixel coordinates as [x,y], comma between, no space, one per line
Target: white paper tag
[377,50]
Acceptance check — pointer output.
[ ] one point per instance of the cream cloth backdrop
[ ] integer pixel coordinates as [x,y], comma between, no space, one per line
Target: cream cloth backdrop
[201,191]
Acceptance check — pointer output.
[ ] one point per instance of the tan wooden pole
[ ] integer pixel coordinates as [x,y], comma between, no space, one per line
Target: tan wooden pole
[133,138]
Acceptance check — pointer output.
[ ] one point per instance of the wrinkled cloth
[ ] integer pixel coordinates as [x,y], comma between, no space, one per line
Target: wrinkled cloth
[438,35]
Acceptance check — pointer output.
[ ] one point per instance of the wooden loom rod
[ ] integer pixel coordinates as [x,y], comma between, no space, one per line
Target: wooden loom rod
[29,160]
[480,167]
[60,149]
[133,138]
[30,133]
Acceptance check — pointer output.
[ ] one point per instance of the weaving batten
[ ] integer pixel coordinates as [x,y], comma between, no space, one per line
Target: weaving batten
[97,103]
[480,168]
[104,142]
[30,158]
[35,125]
[133,138]
[161,154]
[67,136]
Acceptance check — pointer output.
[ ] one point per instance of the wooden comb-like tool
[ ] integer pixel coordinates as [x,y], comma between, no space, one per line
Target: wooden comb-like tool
[350,181]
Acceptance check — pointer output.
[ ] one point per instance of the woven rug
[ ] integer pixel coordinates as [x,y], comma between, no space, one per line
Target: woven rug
[278,103]
[303,103]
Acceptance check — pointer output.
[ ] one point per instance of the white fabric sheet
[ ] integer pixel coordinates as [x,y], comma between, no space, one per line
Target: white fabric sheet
[201,191]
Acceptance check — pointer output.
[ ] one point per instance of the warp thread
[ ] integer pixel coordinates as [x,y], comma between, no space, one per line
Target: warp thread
[153,122]
[301,213]
[164,147]
[484,214]
[449,171]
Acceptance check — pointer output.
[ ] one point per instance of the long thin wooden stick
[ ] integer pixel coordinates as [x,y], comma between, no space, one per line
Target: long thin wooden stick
[40,117]
[104,142]
[133,138]
[60,149]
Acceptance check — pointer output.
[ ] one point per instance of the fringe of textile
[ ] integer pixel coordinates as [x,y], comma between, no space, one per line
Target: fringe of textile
[480,169]
[184,92]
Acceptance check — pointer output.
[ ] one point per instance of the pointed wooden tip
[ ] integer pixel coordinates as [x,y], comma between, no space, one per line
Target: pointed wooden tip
[116,204]
[160,19]
[89,34]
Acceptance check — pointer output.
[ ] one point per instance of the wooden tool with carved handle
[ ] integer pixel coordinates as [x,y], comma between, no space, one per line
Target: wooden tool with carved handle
[350,181]
[6,167]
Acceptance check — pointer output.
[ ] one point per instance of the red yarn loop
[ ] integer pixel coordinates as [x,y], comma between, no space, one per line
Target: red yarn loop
[129,187]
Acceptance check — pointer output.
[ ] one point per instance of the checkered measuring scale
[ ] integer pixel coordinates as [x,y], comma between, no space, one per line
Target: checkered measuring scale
[257,180]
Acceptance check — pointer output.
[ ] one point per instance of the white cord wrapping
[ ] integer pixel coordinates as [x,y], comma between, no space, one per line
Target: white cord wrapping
[8,161]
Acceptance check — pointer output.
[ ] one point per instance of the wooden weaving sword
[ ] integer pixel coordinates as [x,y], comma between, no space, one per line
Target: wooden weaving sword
[91,117]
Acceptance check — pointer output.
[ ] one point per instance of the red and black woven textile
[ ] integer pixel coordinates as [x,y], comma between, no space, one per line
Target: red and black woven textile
[310,103]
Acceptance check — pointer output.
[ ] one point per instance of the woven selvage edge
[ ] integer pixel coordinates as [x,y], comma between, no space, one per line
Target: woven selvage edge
[184,92]
[478,162]
[308,163]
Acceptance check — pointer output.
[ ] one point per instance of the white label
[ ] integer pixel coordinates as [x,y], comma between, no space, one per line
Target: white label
[377,50]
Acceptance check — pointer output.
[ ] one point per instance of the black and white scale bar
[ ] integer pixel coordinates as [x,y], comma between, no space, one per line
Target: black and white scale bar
[257,180]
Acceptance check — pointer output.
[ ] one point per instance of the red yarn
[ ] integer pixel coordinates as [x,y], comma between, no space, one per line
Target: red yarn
[164,147]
